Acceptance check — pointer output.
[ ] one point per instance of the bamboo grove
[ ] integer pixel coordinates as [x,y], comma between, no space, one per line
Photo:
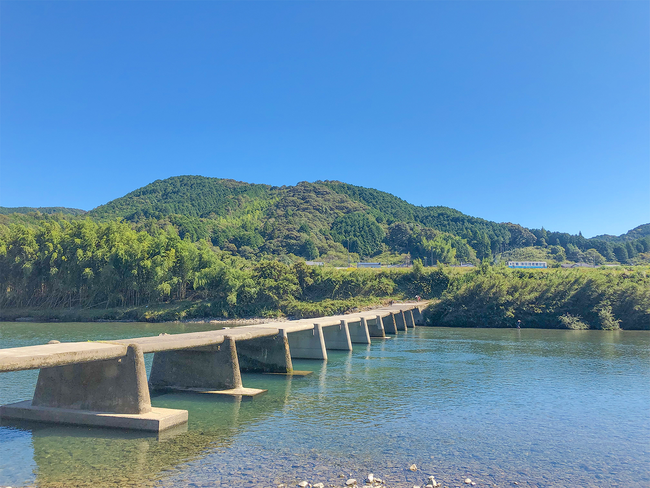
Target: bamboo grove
[83,264]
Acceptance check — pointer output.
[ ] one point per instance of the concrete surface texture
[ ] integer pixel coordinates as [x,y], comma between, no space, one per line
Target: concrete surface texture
[337,338]
[376,327]
[108,385]
[359,331]
[208,368]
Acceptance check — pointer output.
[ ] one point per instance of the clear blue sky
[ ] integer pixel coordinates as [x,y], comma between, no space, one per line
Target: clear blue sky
[536,113]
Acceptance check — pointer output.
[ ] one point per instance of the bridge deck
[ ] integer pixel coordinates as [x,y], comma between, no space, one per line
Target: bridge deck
[48,355]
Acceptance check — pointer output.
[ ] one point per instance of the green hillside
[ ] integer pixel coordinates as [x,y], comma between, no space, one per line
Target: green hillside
[192,196]
[309,219]
[326,219]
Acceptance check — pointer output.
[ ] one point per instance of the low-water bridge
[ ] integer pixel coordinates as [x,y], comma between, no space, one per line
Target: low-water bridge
[105,383]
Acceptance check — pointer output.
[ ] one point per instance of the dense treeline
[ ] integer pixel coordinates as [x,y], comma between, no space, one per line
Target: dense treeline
[577,299]
[90,265]
[574,246]
[87,264]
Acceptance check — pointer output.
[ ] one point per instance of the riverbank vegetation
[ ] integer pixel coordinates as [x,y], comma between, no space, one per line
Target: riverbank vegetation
[87,265]
[86,270]
[606,299]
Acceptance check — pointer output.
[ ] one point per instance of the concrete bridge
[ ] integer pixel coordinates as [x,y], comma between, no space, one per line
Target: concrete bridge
[105,383]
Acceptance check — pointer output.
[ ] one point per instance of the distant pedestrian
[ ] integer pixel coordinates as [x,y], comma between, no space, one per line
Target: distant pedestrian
[518,324]
[418,297]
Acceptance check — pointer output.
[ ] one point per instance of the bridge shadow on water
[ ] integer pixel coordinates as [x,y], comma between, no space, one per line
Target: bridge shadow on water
[65,456]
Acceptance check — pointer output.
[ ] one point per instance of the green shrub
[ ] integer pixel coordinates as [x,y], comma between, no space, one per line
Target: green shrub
[606,319]
[573,322]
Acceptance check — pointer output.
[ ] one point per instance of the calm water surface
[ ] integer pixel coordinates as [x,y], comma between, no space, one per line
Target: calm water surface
[536,407]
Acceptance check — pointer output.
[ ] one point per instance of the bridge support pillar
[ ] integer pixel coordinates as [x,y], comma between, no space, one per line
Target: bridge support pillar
[418,318]
[400,321]
[410,323]
[308,344]
[265,355]
[359,332]
[209,369]
[337,337]
[105,393]
[389,324]
[376,327]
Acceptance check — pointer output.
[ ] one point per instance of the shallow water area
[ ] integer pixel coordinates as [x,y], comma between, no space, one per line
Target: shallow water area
[536,407]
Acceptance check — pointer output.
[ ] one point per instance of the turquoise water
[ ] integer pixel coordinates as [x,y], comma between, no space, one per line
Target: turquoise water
[536,407]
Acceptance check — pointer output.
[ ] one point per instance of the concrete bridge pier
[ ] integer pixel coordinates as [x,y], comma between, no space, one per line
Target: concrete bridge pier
[410,323]
[376,327]
[417,316]
[308,344]
[400,321]
[359,332]
[207,369]
[389,324]
[265,355]
[104,393]
[337,337]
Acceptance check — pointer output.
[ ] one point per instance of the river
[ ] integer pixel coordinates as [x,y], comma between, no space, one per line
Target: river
[540,408]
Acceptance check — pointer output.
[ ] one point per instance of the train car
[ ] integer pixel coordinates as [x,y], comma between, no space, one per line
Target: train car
[527,264]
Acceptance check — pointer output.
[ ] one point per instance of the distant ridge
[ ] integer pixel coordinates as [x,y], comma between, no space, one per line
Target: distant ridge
[43,210]
[631,235]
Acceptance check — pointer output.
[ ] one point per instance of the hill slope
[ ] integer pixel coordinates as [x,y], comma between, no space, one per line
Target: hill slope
[325,220]
[308,219]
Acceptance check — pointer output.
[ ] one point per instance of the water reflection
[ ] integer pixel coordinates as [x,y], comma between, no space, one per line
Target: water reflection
[543,408]
[77,456]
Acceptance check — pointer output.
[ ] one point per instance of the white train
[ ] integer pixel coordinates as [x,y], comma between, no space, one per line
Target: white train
[527,264]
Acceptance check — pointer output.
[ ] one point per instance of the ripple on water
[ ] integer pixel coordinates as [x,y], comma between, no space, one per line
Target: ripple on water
[543,408]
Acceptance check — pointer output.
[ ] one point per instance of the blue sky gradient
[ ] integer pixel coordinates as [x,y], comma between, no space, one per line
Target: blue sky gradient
[536,113]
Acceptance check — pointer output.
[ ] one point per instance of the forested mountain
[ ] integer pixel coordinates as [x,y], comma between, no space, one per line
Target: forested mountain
[309,220]
[326,219]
